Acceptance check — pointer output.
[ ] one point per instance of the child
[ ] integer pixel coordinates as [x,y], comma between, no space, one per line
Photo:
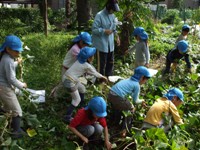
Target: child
[71,78]
[82,40]
[89,122]
[184,33]
[131,86]
[168,105]
[10,50]
[176,54]
[142,55]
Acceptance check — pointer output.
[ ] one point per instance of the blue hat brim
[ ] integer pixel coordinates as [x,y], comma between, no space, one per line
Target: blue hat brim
[97,114]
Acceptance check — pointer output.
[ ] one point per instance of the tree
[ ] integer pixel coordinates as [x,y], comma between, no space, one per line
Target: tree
[68,11]
[83,14]
[132,13]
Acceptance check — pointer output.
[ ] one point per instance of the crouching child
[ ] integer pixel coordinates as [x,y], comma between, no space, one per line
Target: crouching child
[89,122]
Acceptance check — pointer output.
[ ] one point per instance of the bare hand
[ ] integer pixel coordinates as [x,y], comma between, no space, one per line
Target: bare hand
[108,31]
[118,42]
[19,60]
[85,140]
[147,65]
[105,79]
[25,85]
[108,145]
[144,104]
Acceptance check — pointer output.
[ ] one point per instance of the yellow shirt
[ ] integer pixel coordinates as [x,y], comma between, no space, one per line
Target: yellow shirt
[154,115]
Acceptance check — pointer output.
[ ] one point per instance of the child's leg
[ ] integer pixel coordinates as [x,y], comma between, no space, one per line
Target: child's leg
[82,103]
[11,104]
[87,130]
[168,65]
[98,130]
[75,101]
[81,89]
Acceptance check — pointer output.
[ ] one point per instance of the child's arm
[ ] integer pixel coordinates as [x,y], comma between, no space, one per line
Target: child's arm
[187,60]
[76,132]
[91,70]
[107,142]
[130,50]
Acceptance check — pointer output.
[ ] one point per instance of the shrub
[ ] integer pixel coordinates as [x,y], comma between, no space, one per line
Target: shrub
[49,53]
[171,17]
[20,21]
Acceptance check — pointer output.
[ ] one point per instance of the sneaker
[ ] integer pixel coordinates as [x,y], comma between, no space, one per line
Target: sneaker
[18,134]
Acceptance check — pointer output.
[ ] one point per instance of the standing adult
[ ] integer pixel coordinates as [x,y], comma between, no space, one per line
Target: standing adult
[103,32]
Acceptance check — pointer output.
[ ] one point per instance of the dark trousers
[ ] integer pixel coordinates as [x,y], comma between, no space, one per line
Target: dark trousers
[106,63]
[168,64]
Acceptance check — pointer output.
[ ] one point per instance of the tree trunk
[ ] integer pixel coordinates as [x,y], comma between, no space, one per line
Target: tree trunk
[68,12]
[126,31]
[45,17]
[83,14]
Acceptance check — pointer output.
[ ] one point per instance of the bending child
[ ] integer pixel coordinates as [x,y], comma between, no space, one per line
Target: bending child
[166,105]
[71,78]
[119,92]
[175,55]
[89,122]
[10,50]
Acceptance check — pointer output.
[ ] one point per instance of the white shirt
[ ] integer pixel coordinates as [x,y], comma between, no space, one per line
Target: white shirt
[78,69]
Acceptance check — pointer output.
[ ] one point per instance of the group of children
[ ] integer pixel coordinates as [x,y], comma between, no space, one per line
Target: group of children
[78,62]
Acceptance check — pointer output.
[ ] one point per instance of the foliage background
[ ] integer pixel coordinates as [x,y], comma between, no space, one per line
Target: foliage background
[44,73]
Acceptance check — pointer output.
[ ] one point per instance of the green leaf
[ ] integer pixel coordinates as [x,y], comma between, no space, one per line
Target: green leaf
[7,142]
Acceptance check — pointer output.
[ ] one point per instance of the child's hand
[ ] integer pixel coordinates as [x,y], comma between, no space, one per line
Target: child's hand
[85,139]
[118,41]
[144,104]
[25,85]
[105,79]
[108,145]
[147,65]
[133,110]
[126,52]
[19,60]
[173,67]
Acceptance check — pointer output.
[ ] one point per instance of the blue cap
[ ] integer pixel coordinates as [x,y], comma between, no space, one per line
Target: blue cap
[85,37]
[185,26]
[139,72]
[137,31]
[98,106]
[143,35]
[13,42]
[182,46]
[174,92]
[86,53]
